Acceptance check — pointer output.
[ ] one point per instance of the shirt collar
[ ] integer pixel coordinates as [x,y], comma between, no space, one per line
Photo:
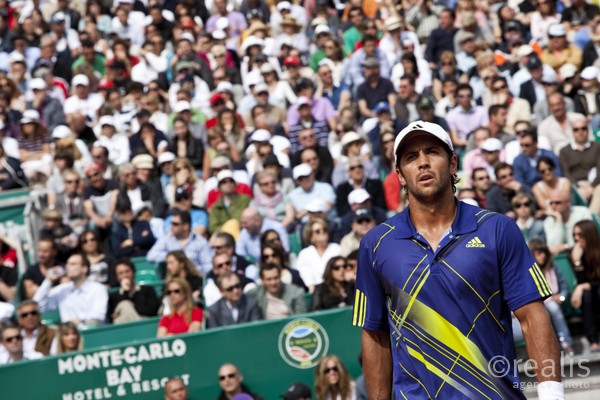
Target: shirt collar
[464,222]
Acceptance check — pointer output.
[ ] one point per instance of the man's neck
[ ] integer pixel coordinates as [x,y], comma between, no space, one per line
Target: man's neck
[432,219]
[18,355]
[467,108]
[80,281]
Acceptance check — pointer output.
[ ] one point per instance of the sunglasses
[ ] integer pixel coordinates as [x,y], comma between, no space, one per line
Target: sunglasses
[464,96]
[583,128]
[232,288]
[525,204]
[175,223]
[505,176]
[386,142]
[555,202]
[267,256]
[499,88]
[88,240]
[337,267]
[318,231]
[93,175]
[227,180]
[362,221]
[352,168]
[230,376]
[72,181]
[544,171]
[176,291]
[224,263]
[27,314]
[328,370]
[526,144]
[521,132]
[13,338]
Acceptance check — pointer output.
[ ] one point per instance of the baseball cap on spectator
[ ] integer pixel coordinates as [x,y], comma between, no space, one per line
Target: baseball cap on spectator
[424,102]
[322,29]
[146,205]
[303,101]
[260,135]
[224,86]
[557,30]
[316,206]
[125,2]
[492,144]
[106,120]
[225,174]
[37,84]
[361,214]
[187,36]
[143,161]
[534,63]
[181,65]
[549,76]
[252,41]
[393,22]
[16,58]
[106,84]
[61,132]
[284,5]
[30,116]
[524,50]
[358,196]
[58,17]
[80,80]
[382,106]
[589,73]
[165,157]
[93,167]
[295,391]
[216,98]
[220,162]
[266,68]
[291,61]
[184,191]
[301,170]
[260,88]
[181,106]
[370,62]
[219,34]
[568,71]
[424,127]
[319,21]
[463,36]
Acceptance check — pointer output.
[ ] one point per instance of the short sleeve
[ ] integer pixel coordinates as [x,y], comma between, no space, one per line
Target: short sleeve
[197,314]
[369,300]
[522,279]
[164,322]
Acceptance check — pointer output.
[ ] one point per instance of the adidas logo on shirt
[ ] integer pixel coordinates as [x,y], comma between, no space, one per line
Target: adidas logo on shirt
[475,243]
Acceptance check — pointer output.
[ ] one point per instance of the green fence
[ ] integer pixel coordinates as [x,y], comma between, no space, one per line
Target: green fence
[270,355]
[12,204]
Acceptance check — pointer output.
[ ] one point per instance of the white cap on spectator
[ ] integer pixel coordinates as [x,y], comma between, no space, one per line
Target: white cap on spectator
[16,57]
[187,36]
[30,116]
[224,86]
[37,84]
[260,135]
[358,196]
[322,29]
[350,137]
[284,5]
[252,41]
[220,162]
[143,161]
[181,106]
[589,73]
[226,173]
[61,132]
[303,100]
[316,206]
[261,87]
[425,127]
[557,30]
[125,1]
[567,71]
[524,50]
[219,34]
[549,76]
[318,21]
[222,23]
[106,120]
[301,170]
[139,207]
[492,144]
[253,79]
[167,156]
[80,80]
[266,68]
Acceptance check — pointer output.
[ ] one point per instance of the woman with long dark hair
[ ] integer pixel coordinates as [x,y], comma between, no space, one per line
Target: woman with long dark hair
[101,264]
[585,259]
[546,168]
[337,289]
[273,253]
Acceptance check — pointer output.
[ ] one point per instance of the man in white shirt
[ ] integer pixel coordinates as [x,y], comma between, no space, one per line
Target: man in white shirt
[82,101]
[81,301]
[117,143]
[37,337]
[13,344]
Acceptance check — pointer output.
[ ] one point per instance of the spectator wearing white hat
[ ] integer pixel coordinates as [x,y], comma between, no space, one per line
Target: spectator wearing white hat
[287,8]
[541,19]
[117,143]
[358,179]
[353,145]
[34,144]
[228,208]
[280,91]
[309,189]
[66,39]
[360,198]
[165,165]
[82,101]
[559,51]
[50,109]
[587,99]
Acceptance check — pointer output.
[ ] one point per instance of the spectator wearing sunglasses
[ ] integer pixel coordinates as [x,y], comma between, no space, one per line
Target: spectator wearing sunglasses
[37,337]
[184,317]
[531,228]
[560,221]
[230,380]
[362,222]
[12,341]
[234,307]
[337,289]
[499,197]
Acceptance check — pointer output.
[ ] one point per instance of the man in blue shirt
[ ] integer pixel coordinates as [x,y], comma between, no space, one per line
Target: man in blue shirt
[525,165]
[253,226]
[436,285]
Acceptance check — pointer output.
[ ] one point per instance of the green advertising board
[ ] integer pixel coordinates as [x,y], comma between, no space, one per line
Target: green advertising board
[12,204]
[269,354]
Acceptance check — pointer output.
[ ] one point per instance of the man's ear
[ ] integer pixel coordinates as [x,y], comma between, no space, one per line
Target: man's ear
[400,176]
[453,164]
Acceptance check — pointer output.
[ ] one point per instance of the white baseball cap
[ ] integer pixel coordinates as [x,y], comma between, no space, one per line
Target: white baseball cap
[224,87]
[301,170]
[358,196]
[61,132]
[284,5]
[165,157]
[322,29]
[589,73]
[37,84]
[30,116]
[260,135]
[226,173]
[182,105]
[492,144]
[425,127]
[316,206]
[106,120]
[80,80]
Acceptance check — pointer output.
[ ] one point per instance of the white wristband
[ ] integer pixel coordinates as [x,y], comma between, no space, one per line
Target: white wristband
[551,390]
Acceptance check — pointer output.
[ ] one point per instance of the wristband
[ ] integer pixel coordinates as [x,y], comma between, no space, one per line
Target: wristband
[551,390]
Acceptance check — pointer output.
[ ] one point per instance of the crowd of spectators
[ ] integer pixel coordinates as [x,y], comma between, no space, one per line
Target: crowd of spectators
[247,145]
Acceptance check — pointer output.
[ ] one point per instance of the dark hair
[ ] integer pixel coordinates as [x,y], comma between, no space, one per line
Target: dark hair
[530,133]
[229,239]
[498,78]
[455,178]
[591,254]
[495,109]
[464,86]
[476,170]
[502,166]
[226,275]
[127,262]
[369,38]
[269,267]
[84,260]
[545,160]
[450,11]
[353,255]
[410,57]
[183,215]
[328,281]
[265,234]
[410,78]
[278,252]
[82,237]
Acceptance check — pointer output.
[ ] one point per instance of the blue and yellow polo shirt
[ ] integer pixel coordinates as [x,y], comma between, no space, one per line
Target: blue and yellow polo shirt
[448,311]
